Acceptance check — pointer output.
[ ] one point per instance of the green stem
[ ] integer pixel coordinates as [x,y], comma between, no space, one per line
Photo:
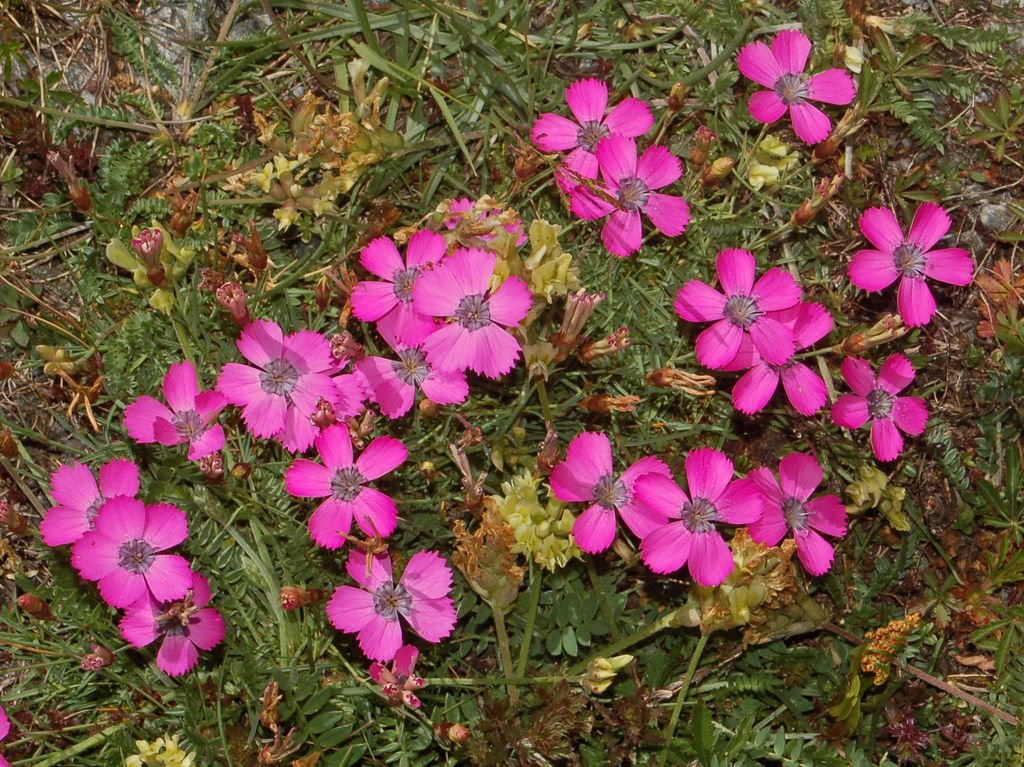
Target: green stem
[61,757]
[504,652]
[670,728]
[635,638]
[531,618]
[542,395]
[606,609]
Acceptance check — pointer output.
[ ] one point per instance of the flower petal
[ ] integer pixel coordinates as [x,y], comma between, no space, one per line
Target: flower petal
[776,290]
[872,270]
[810,124]
[815,552]
[951,265]
[791,47]
[666,549]
[511,302]
[736,270]
[886,442]
[181,386]
[119,477]
[896,374]
[741,503]
[669,214]
[915,301]
[140,416]
[427,575]
[330,523]
[617,157]
[554,133]
[719,344]
[658,167]
[306,479]
[766,106]
[381,456]
[754,389]
[850,411]
[756,62]
[375,513]
[827,514]
[858,375]
[631,117]
[772,339]
[833,86]
[910,414]
[166,526]
[930,225]
[260,342]
[710,559]
[622,233]
[881,228]
[804,389]
[699,302]
[381,258]
[708,473]
[587,99]
[799,475]
[588,459]
[177,655]
[594,529]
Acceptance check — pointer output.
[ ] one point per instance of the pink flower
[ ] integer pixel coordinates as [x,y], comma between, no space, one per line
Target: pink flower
[291,375]
[588,102]
[389,303]
[877,402]
[476,338]
[398,683]
[343,483]
[392,383]
[420,597]
[691,537]
[123,552]
[781,69]
[186,627]
[631,185]
[188,418]
[909,258]
[78,499]
[586,475]
[5,728]
[788,508]
[806,391]
[743,311]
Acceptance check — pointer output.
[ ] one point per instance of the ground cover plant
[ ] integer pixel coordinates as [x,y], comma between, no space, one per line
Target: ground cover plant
[511,384]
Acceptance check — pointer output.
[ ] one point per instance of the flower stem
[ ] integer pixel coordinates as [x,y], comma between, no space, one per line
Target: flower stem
[670,728]
[635,638]
[504,653]
[531,618]
[542,395]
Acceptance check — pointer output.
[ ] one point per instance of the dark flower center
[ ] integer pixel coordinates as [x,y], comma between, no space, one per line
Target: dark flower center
[791,89]
[780,369]
[136,556]
[909,260]
[403,280]
[741,310]
[411,367]
[390,599]
[699,515]
[633,193]
[279,377]
[880,403]
[795,512]
[347,483]
[473,312]
[93,510]
[188,425]
[611,493]
[176,617]
[590,133]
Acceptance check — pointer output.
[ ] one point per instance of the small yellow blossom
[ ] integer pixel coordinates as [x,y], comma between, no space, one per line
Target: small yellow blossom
[263,178]
[286,215]
[542,530]
[162,752]
[602,671]
[853,58]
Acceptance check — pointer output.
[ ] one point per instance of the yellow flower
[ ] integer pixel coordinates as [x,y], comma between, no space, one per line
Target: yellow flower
[286,215]
[853,58]
[162,752]
[542,530]
[762,175]
[602,671]
[263,178]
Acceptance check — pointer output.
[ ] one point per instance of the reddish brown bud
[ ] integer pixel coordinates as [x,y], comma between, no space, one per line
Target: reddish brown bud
[322,293]
[100,657]
[428,408]
[294,597]
[526,166]
[8,447]
[148,245]
[677,97]
[453,731]
[549,453]
[240,471]
[35,607]
[252,245]
[617,341]
[232,296]
[6,370]
[345,347]
[717,172]
[703,141]
[212,468]
[670,378]
[12,520]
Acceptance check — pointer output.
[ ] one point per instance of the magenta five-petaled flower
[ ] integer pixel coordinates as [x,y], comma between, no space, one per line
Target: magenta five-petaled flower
[691,536]
[806,391]
[788,507]
[629,189]
[188,419]
[342,481]
[282,388]
[185,627]
[476,337]
[588,102]
[744,311]
[124,552]
[781,70]
[910,259]
[78,498]
[421,598]
[399,683]
[389,301]
[587,476]
[5,728]
[877,402]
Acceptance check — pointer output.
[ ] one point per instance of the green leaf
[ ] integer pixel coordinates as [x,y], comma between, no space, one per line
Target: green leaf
[703,732]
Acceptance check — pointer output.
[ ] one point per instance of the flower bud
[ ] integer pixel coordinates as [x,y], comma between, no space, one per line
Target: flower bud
[549,453]
[240,471]
[606,403]
[670,378]
[12,520]
[100,657]
[345,347]
[232,296]
[677,97]
[35,607]
[212,468]
[887,329]
[617,341]
[428,408]
[823,192]
[6,370]
[322,293]
[323,416]
[703,141]
[8,447]
[719,170]
[602,671]
[453,731]
[148,244]
[294,597]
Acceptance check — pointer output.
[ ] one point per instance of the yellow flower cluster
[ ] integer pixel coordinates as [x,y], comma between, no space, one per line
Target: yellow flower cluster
[873,491]
[543,530]
[771,159]
[162,752]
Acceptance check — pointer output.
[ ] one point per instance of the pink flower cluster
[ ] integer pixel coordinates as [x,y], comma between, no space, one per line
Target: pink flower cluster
[679,528]
[601,142]
[124,545]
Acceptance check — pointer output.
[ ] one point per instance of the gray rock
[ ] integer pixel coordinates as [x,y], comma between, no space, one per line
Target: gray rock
[997,217]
